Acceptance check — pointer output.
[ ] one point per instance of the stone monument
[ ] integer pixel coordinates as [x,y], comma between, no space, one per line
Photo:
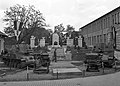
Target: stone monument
[80,41]
[68,55]
[55,40]
[42,42]
[69,42]
[32,42]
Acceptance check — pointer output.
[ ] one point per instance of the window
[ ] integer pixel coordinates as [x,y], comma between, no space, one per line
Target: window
[92,27]
[94,39]
[101,24]
[98,39]
[105,38]
[97,26]
[113,19]
[118,17]
[104,24]
[118,40]
[90,40]
[108,21]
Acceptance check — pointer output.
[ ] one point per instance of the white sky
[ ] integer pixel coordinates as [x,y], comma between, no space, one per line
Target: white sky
[74,12]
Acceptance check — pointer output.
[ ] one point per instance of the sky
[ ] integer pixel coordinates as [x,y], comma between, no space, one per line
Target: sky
[77,13]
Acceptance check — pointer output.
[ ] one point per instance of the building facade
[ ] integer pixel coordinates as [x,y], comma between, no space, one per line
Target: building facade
[2,36]
[104,31]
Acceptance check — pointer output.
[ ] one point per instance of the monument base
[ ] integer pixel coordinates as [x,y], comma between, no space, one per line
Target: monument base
[61,58]
[64,67]
[55,46]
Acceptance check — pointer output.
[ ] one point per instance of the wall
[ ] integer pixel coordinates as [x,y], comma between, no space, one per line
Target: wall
[99,31]
[1,45]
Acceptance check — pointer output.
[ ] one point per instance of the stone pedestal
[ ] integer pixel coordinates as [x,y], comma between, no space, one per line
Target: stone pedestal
[42,42]
[60,54]
[68,55]
[80,41]
[55,40]
[69,42]
[32,42]
[1,45]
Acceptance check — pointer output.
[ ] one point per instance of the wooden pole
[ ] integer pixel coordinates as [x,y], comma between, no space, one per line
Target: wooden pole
[57,73]
[27,74]
[115,66]
[103,67]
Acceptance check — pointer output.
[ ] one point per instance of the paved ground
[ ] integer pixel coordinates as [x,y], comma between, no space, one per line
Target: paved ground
[49,80]
[105,80]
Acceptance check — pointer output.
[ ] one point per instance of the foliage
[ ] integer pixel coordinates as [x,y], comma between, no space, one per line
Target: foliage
[28,15]
[70,28]
[59,28]
[50,31]
[38,33]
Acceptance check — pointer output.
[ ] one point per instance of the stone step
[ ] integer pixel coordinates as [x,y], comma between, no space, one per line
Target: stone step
[62,64]
[66,71]
[64,67]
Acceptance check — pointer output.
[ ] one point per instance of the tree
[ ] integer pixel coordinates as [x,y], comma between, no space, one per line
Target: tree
[69,30]
[59,28]
[29,19]
[50,31]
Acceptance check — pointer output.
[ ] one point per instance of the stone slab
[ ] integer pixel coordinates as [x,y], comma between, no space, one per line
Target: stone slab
[66,71]
[61,64]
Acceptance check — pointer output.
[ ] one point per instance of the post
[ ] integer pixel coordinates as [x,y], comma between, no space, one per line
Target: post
[32,42]
[115,66]
[10,63]
[57,73]
[103,67]
[84,70]
[83,73]
[27,74]
[47,67]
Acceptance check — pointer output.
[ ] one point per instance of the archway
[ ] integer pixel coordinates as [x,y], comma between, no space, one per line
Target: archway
[55,43]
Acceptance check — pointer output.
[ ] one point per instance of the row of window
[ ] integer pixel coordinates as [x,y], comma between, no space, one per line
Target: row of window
[118,40]
[97,39]
[103,23]
[116,18]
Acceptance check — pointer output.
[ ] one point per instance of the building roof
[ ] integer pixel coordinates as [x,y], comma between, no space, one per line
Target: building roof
[101,17]
[2,34]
